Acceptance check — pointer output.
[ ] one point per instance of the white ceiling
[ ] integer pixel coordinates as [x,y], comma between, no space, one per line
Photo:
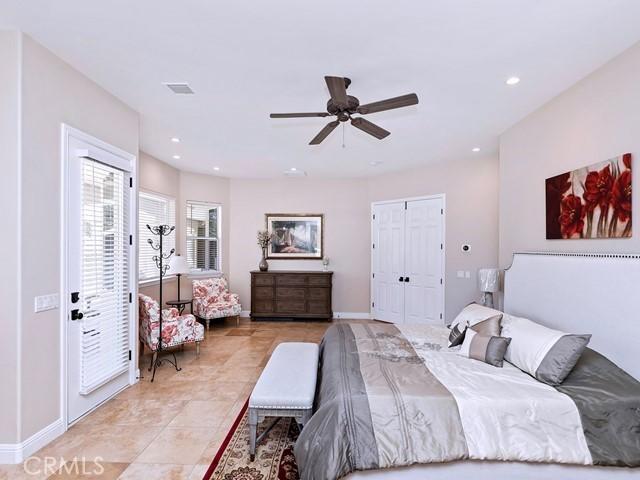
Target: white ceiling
[245,59]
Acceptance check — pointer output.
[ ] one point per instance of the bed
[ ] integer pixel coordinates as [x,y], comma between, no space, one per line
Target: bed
[395,402]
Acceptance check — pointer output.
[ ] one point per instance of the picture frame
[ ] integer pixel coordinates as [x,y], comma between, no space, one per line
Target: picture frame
[295,236]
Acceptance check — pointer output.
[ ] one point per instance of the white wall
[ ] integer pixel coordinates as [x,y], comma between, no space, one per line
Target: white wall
[9,240]
[344,204]
[594,120]
[52,93]
[471,189]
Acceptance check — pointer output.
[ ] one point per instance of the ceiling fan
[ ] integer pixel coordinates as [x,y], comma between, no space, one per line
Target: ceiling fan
[343,106]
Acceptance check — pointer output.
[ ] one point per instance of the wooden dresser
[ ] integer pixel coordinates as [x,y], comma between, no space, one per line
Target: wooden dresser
[291,294]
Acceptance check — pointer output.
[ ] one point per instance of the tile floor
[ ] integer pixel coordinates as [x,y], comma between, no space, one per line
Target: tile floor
[172,428]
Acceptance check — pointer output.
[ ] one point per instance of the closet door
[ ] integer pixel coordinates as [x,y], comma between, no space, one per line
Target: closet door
[388,262]
[423,282]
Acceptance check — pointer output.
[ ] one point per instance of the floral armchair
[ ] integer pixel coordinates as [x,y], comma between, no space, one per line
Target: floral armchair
[211,299]
[176,329]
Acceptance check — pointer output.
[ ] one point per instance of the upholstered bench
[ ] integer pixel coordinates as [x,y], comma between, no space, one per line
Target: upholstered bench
[286,388]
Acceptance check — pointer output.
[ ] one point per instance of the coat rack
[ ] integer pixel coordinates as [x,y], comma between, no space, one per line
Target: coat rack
[163,266]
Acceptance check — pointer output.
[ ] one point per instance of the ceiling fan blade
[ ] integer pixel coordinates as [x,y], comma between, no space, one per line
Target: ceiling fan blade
[338,90]
[324,133]
[370,128]
[389,104]
[299,115]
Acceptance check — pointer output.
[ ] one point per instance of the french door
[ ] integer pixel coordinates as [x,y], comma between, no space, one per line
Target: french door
[99,286]
[408,261]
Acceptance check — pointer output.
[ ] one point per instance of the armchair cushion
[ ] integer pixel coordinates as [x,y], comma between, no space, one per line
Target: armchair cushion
[176,329]
[211,299]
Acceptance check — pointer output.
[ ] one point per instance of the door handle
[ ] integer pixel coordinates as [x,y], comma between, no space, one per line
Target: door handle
[406,279]
[401,279]
[76,314]
[75,297]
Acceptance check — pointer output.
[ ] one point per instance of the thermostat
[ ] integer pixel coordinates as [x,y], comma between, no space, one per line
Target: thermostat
[466,248]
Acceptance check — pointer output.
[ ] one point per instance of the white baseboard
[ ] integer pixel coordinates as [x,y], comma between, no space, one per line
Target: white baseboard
[347,315]
[352,315]
[13,453]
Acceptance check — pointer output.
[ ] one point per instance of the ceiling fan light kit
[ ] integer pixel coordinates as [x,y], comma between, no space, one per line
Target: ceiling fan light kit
[344,106]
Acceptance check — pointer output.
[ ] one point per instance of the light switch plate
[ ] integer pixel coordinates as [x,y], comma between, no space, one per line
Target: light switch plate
[46,302]
[460,273]
[467,274]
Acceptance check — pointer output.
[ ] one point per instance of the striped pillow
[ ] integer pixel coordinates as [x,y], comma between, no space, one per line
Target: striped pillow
[487,349]
[483,320]
[546,354]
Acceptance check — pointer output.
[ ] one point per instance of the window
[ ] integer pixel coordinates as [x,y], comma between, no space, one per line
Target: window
[203,234]
[153,209]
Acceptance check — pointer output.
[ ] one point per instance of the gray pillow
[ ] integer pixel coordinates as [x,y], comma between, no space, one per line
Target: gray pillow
[561,358]
[487,349]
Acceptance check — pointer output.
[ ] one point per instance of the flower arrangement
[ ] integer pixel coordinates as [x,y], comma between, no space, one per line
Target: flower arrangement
[593,202]
[264,238]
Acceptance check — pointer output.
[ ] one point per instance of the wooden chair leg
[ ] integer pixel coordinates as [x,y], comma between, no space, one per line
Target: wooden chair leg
[197,349]
[208,324]
[237,320]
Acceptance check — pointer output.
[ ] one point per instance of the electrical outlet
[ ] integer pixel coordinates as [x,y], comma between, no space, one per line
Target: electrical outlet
[460,274]
[46,302]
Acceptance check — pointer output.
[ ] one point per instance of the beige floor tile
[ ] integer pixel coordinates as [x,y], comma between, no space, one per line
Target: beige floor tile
[152,412]
[182,446]
[157,471]
[202,413]
[77,469]
[198,471]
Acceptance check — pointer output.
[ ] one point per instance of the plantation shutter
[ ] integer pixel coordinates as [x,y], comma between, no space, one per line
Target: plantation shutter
[153,210]
[203,245]
[105,274]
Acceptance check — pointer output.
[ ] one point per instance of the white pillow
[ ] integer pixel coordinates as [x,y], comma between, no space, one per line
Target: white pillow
[473,314]
[547,354]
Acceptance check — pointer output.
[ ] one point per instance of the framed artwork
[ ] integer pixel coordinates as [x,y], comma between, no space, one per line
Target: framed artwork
[295,235]
[591,202]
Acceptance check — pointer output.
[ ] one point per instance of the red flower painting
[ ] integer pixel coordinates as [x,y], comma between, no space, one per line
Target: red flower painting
[591,202]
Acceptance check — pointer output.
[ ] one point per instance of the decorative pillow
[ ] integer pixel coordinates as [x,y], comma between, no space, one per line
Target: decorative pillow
[483,320]
[546,354]
[487,349]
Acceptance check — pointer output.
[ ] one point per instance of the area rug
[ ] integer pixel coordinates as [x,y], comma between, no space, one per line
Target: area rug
[274,455]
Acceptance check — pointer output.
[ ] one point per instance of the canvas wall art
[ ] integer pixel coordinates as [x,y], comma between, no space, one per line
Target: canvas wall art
[295,236]
[591,202]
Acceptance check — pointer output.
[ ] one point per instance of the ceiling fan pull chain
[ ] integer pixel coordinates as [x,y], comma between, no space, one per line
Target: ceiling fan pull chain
[343,145]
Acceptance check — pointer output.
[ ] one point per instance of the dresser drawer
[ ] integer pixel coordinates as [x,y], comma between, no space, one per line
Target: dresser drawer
[319,280]
[318,307]
[292,293]
[318,293]
[262,293]
[290,306]
[263,306]
[263,280]
[292,279]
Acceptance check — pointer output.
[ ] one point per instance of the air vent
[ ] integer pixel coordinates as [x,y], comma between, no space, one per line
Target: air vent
[180,88]
[294,173]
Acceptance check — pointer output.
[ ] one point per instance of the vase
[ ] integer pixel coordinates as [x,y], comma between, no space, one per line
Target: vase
[263,265]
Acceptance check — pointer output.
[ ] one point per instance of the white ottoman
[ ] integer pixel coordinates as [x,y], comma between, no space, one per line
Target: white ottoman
[286,388]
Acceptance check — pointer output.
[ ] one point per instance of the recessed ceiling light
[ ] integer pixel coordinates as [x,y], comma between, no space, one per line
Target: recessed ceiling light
[293,169]
[176,157]
[175,139]
[216,168]
[512,81]
[179,88]
[475,149]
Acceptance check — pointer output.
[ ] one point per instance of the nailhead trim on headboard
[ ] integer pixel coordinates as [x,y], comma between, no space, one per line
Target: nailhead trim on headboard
[633,256]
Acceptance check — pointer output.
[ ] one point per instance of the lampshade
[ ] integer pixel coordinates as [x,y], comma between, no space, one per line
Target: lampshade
[178,265]
[489,279]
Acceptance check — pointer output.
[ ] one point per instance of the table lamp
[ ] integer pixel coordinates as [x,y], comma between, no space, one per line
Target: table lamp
[178,267]
[489,279]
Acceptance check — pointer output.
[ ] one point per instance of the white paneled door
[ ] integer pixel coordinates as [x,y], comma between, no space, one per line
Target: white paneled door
[98,276]
[388,261]
[408,261]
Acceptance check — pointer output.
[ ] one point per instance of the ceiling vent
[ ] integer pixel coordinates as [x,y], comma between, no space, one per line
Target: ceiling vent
[295,173]
[180,88]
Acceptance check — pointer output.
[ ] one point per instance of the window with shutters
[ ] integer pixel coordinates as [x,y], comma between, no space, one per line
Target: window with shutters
[203,236]
[153,209]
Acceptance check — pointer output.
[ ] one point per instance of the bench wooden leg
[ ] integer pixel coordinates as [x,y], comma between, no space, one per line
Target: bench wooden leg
[253,433]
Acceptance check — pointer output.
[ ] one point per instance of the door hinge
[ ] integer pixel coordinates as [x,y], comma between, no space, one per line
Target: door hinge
[442,211]
[440,316]
[131,182]
[129,355]
[405,205]
[373,304]
[440,281]
[374,216]
[130,297]
[374,245]
[441,246]
[374,275]
[130,239]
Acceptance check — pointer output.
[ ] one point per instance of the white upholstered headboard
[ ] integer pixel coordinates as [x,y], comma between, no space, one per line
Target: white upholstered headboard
[581,293]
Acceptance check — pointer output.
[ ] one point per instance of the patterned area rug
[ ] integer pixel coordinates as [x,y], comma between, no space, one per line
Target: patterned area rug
[274,454]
